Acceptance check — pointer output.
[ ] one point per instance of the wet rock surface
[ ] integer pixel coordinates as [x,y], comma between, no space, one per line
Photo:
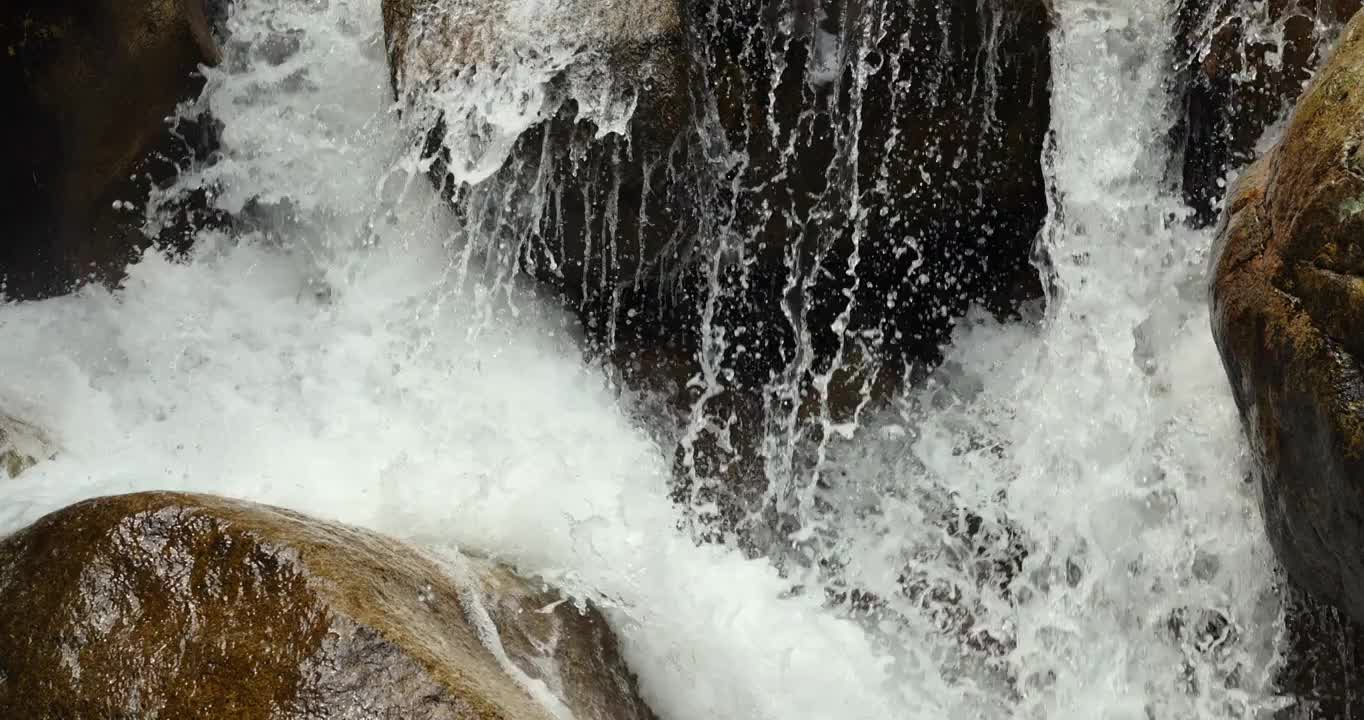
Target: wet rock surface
[1288,317]
[881,173]
[188,606]
[802,185]
[1242,64]
[563,191]
[1323,661]
[927,119]
[930,120]
[88,88]
[21,447]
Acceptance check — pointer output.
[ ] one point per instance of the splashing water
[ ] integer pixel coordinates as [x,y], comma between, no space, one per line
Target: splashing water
[1053,526]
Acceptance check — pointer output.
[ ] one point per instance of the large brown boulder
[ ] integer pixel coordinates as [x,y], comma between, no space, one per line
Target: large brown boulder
[189,606]
[1288,316]
[87,88]
[1242,63]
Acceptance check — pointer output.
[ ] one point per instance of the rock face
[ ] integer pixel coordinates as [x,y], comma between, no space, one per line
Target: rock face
[756,126]
[88,88]
[433,39]
[1323,661]
[927,118]
[879,172]
[800,184]
[525,123]
[1288,316]
[186,606]
[1243,62]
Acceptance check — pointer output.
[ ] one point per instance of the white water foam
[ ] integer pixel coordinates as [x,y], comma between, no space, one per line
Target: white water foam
[323,358]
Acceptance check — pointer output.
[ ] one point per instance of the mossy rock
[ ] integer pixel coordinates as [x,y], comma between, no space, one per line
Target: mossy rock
[1288,317]
[191,606]
[13,463]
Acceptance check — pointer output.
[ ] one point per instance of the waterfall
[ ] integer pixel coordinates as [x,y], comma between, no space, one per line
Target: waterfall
[820,515]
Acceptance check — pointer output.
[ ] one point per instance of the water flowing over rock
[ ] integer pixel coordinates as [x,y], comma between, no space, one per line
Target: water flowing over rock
[88,89]
[1288,316]
[526,113]
[801,187]
[1242,63]
[1052,524]
[191,606]
[21,447]
[877,172]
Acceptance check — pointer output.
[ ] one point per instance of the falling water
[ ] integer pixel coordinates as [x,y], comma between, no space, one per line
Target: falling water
[1052,524]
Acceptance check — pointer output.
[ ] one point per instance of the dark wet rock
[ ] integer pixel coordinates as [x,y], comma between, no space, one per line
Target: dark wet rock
[1288,317]
[1323,661]
[1241,65]
[88,87]
[718,242]
[21,447]
[188,606]
[586,206]
[760,125]
[929,119]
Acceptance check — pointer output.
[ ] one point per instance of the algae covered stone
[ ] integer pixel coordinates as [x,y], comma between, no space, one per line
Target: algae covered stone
[1288,317]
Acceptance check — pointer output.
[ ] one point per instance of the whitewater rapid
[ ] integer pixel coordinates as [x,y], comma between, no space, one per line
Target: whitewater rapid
[328,356]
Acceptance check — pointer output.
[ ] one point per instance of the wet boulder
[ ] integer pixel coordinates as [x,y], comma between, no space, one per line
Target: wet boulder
[88,87]
[1241,65]
[875,170]
[779,158]
[21,447]
[1288,316]
[190,606]
[555,135]
[889,165]
[1323,660]
[807,198]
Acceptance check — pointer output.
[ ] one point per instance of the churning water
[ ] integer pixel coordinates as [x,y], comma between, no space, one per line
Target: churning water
[1055,524]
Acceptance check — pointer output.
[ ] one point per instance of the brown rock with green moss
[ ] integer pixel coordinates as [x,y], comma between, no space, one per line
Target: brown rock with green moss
[1242,64]
[1288,316]
[88,86]
[191,606]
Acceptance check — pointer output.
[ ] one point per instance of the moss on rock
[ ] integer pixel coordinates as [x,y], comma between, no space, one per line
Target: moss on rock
[1288,316]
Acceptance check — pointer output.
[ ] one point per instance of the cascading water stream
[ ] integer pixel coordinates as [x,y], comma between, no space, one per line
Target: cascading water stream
[1142,497]
[1053,525]
[1113,563]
